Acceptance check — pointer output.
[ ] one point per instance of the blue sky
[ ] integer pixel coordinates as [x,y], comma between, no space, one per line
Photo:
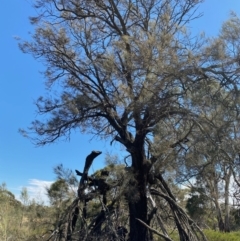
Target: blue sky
[21,163]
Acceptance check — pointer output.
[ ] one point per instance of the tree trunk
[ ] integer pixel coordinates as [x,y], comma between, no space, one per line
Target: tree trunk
[213,185]
[219,218]
[138,232]
[138,207]
[218,207]
[226,194]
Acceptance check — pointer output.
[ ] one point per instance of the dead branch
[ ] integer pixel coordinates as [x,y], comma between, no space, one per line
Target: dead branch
[155,231]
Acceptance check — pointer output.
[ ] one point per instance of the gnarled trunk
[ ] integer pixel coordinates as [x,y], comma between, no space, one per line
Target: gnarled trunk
[138,210]
[138,206]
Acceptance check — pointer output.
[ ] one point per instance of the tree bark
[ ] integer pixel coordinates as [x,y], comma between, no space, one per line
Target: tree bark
[227,177]
[213,185]
[138,208]
[219,217]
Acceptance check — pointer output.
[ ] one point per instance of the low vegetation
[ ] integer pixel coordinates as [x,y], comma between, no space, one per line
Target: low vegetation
[28,220]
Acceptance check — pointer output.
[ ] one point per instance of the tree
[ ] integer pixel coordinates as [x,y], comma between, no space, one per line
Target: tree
[123,67]
[196,203]
[214,153]
[58,192]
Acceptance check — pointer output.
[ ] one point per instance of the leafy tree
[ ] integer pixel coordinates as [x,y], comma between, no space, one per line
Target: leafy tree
[214,155]
[58,192]
[197,204]
[124,67]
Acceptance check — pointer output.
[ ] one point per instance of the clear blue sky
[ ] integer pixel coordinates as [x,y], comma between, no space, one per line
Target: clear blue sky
[21,163]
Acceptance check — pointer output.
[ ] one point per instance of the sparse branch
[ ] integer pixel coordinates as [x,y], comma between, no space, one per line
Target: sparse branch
[185,225]
[155,231]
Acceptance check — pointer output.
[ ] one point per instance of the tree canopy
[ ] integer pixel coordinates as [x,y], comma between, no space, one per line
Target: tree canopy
[129,69]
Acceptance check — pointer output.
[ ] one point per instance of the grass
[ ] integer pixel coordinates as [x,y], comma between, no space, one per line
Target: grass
[219,236]
[211,236]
